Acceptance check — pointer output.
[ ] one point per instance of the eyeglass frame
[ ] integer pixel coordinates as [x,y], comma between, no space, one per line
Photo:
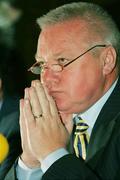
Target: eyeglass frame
[65,65]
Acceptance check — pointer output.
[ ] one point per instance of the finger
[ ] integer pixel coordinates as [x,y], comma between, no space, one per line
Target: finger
[26,95]
[34,101]
[28,111]
[29,119]
[21,116]
[67,121]
[22,124]
[52,107]
[48,105]
[42,97]
[52,104]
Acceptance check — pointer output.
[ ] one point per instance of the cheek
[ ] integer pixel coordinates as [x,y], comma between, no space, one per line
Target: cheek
[72,83]
[80,88]
[83,83]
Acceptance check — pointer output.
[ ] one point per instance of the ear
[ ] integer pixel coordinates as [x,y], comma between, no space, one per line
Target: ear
[109,60]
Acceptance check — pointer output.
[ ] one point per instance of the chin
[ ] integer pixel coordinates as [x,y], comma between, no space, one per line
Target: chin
[64,107]
[69,108]
[61,105]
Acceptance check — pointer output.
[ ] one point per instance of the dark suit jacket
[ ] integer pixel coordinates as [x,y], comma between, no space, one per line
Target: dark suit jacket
[103,156]
[9,127]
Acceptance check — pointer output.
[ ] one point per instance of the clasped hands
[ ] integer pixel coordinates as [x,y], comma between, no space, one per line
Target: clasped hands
[42,128]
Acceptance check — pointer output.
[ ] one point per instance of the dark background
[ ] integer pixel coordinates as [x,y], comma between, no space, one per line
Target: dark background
[27,30]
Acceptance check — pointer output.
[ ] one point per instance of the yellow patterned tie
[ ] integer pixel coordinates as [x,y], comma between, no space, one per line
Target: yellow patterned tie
[81,138]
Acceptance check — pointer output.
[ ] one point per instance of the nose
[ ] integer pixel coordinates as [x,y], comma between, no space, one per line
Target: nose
[50,78]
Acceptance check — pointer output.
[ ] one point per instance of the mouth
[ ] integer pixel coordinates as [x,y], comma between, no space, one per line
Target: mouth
[53,93]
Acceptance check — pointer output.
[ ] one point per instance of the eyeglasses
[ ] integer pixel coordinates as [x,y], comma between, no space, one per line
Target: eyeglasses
[40,66]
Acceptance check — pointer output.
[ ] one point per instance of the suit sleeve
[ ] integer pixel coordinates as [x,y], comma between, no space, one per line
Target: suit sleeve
[70,167]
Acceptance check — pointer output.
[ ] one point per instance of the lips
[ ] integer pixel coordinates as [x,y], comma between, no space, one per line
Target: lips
[55,94]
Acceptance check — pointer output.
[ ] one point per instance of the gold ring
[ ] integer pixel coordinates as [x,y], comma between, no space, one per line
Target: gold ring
[39,116]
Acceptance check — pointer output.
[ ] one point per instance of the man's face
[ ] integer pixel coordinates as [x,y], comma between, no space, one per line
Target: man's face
[81,83]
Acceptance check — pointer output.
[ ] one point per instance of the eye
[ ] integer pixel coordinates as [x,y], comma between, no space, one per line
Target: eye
[62,61]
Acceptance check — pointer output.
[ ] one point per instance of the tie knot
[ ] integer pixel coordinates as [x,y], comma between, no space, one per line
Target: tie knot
[81,127]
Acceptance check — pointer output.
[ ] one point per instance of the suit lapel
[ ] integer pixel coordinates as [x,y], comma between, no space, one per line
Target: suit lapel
[104,125]
[99,139]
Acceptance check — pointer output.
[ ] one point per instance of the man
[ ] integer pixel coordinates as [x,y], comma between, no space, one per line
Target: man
[78,60]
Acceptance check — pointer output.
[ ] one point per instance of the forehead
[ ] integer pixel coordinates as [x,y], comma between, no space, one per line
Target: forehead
[62,34]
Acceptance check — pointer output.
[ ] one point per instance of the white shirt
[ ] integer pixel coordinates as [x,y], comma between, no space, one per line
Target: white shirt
[23,172]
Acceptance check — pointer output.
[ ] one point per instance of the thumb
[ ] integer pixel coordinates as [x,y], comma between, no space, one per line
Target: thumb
[67,121]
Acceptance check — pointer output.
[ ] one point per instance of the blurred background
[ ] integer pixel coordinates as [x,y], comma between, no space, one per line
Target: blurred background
[19,33]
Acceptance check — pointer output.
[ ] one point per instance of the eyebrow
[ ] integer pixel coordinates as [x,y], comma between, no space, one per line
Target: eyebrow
[56,58]
[55,55]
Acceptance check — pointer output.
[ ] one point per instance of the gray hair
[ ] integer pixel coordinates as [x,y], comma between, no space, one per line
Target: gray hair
[98,20]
